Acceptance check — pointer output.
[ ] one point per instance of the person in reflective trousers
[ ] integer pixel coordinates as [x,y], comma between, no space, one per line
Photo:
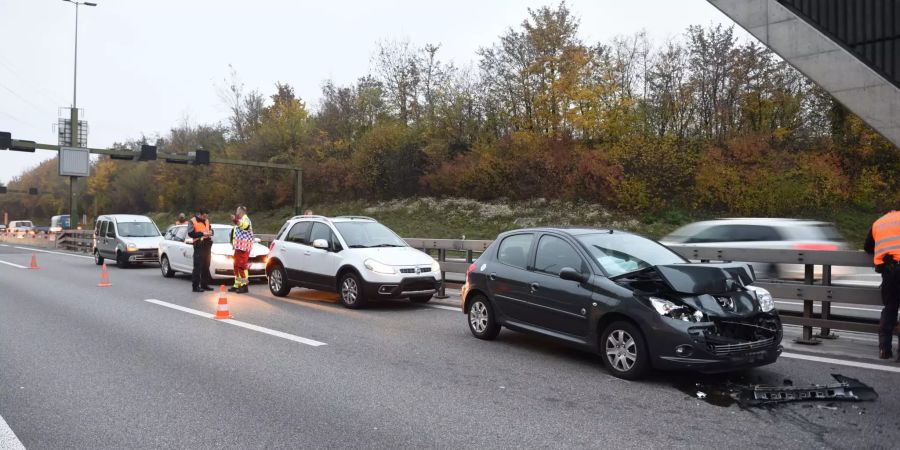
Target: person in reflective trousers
[883,242]
[201,232]
[242,241]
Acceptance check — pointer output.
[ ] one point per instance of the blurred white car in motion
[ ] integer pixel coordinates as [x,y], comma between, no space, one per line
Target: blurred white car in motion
[774,233]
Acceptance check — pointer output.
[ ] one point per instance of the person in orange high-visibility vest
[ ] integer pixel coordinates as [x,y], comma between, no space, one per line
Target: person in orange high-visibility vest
[883,242]
[201,232]
[242,241]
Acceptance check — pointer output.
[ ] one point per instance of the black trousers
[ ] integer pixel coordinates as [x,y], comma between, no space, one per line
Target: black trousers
[890,298]
[202,256]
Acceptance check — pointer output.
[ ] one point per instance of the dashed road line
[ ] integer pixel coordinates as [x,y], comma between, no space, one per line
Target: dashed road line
[54,253]
[8,439]
[238,323]
[841,362]
[14,265]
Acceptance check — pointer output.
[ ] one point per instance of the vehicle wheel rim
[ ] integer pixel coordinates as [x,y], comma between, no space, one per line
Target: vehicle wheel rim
[165,266]
[349,291]
[275,280]
[621,350]
[478,317]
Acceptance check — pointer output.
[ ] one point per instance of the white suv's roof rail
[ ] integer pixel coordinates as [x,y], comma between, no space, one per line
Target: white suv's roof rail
[356,217]
[309,217]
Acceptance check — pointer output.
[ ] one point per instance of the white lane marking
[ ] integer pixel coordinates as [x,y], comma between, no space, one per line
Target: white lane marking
[238,323]
[14,265]
[8,439]
[833,306]
[841,362]
[448,308]
[55,253]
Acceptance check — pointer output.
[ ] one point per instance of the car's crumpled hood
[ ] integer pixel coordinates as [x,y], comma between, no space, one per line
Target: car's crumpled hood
[709,278]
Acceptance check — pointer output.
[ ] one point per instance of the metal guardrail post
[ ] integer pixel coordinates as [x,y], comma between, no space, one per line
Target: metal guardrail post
[469,254]
[825,332]
[807,336]
[442,257]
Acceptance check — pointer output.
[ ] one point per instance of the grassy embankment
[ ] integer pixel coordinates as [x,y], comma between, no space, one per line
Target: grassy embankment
[455,218]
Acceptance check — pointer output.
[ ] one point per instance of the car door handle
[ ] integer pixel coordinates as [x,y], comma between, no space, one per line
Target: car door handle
[534,287]
[492,276]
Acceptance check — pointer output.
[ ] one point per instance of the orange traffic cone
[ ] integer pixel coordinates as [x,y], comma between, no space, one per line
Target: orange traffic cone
[222,310]
[33,261]
[104,278]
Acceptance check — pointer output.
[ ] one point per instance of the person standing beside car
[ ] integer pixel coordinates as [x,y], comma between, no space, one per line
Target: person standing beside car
[883,242]
[242,241]
[201,232]
[181,220]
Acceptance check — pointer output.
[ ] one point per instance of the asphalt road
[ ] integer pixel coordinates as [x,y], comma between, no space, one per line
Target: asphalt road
[88,367]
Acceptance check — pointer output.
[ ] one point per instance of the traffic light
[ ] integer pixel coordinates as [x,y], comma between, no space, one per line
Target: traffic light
[32,191]
[23,146]
[5,140]
[148,153]
[201,157]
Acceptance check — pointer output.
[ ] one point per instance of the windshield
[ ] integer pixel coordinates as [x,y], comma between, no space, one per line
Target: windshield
[25,223]
[221,235]
[621,253]
[368,234]
[137,229]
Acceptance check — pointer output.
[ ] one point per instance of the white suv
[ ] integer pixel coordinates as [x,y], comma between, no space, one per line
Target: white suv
[355,256]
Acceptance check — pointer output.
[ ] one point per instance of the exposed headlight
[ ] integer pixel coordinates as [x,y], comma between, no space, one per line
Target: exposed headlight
[766,302]
[131,247]
[435,267]
[678,312]
[378,267]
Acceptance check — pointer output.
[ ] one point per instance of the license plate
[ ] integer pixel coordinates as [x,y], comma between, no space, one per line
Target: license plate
[257,266]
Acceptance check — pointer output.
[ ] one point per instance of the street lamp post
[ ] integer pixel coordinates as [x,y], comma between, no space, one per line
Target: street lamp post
[73,119]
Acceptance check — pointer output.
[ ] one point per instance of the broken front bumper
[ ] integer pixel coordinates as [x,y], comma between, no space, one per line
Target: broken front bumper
[718,346]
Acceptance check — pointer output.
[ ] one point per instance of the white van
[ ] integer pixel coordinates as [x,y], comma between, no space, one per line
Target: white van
[126,239]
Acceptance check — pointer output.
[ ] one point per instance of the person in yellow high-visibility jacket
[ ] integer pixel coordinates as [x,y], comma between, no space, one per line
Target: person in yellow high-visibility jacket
[242,241]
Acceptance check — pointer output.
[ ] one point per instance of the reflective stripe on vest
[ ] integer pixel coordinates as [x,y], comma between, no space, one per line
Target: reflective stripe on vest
[886,232]
[243,235]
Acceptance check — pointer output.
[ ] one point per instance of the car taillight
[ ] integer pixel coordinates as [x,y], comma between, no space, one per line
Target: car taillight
[470,270]
[829,247]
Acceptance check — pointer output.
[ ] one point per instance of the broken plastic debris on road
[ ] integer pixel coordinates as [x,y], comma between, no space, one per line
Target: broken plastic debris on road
[756,395]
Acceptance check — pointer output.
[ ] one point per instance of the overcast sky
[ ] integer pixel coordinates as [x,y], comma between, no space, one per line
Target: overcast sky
[147,65]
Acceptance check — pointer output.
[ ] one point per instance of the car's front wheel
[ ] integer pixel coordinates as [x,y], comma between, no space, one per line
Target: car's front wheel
[482,322]
[278,280]
[165,268]
[351,291]
[624,350]
[98,260]
[121,260]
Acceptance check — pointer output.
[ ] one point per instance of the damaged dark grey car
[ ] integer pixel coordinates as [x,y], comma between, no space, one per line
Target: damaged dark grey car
[631,300]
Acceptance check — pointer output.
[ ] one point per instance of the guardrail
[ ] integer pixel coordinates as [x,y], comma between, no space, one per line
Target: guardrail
[455,256]
[807,291]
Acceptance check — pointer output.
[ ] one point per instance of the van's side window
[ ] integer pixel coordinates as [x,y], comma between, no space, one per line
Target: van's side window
[111,229]
[102,227]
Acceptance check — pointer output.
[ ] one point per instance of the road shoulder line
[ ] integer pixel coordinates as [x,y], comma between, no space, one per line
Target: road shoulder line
[12,264]
[8,439]
[841,362]
[239,323]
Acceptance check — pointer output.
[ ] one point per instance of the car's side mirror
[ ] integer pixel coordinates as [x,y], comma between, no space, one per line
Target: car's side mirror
[568,273]
[321,244]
